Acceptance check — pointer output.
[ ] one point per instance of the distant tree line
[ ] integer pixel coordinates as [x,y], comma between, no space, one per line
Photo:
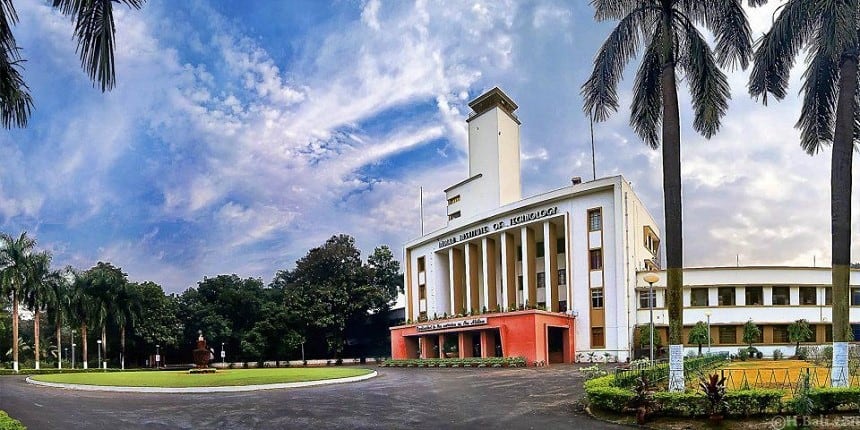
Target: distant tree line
[314,307]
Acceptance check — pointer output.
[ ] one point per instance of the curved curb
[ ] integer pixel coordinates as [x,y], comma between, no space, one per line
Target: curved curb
[203,390]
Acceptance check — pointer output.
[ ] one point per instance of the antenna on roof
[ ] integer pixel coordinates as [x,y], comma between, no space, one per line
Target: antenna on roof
[593,164]
[421,207]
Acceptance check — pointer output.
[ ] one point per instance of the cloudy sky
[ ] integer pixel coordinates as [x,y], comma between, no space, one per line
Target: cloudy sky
[240,136]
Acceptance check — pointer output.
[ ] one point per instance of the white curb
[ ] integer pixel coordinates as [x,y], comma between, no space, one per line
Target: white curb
[203,390]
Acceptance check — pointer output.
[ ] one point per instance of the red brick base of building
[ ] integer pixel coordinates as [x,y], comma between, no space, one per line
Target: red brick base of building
[540,337]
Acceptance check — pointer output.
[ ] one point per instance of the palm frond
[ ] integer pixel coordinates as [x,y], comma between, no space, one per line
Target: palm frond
[15,100]
[733,35]
[95,30]
[614,9]
[776,51]
[600,90]
[646,109]
[820,92]
[756,3]
[709,87]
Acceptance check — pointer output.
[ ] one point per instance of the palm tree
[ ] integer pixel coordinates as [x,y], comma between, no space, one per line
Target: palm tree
[669,31]
[828,31]
[107,283]
[94,31]
[81,308]
[38,292]
[126,310]
[14,256]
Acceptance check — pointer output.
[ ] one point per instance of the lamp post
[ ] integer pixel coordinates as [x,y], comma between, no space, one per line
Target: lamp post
[73,349]
[99,342]
[651,278]
[708,314]
[157,355]
[223,355]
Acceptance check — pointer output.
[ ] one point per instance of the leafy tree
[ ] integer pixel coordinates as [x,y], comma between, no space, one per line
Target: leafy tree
[669,30]
[751,333]
[828,31]
[799,331]
[38,293]
[106,285]
[159,324]
[15,254]
[645,337]
[94,31]
[330,287]
[699,335]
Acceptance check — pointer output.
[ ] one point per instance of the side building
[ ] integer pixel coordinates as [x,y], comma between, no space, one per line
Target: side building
[546,277]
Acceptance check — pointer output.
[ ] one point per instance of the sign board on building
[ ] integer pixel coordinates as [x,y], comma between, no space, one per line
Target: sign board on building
[499,224]
[452,324]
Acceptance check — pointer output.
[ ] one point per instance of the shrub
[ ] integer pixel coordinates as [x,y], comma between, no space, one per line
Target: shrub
[829,399]
[777,354]
[9,423]
[801,352]
[592,372]
[743,354]
[609,398]
[753,402]
[684,404]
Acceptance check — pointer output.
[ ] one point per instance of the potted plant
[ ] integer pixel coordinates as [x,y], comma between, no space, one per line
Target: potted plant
[643,399]
[714,388]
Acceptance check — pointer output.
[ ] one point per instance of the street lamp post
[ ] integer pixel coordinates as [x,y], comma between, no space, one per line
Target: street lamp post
[708,314]
[73,349]
[157,355]
[99,342]
[651,278]
[223,355]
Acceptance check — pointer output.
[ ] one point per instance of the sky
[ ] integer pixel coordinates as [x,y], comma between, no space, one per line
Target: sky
[242,134]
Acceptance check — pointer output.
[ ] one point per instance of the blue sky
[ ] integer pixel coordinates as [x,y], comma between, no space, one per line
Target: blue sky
[241,135]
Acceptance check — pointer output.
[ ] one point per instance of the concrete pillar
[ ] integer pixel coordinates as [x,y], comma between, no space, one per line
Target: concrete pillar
[455,266]
[464,344]
[472,293]
[441,346]
[488,255]
[407,275]
[509,271]
[550,249]
[529,269]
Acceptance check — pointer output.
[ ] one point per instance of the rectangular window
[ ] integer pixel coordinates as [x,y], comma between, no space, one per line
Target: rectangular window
[454,215]
[595,220]
[780,334]
[828,333]
[562,276]
[559,245]
[855,297]
[597,337]
[699,297]
[780,296]
[726,296]
[519,253]
[539,251]
[728,334]
[597,297]
[644,301]
[541,280]
[595,259]
[453,200]
[421,264]
[754,296]
[828,297]
[520,282]
[808,296]
[422,292]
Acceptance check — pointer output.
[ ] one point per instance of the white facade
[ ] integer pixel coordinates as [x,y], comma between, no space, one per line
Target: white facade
[574,249]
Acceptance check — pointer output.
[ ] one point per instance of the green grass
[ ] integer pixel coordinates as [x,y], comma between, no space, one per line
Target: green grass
[9,423]
[226,377]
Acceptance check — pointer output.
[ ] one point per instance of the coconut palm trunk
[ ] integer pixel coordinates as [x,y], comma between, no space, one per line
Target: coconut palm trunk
[672,182]
[59,342]
[84,345]
[15,330]
[104,345]
[36,315]
[840,194]
[122,347]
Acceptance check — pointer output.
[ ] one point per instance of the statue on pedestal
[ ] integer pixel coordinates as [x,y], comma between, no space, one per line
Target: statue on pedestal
[201,354]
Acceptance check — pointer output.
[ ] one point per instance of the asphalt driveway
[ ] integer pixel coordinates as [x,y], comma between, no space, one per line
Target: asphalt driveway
[543,398]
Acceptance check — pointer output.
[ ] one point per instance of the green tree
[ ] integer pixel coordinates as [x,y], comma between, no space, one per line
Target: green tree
[94,31]
[699,335]
[828,31]
[751,333]
[38,293]
[159,324]
[799,331]
[644,338]
[14,260]
[106,285]
[58,311]
[670,32]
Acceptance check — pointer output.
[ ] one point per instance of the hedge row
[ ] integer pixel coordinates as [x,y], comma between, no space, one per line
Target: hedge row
[9,423]
[659,372]
[458,362]
[602,394]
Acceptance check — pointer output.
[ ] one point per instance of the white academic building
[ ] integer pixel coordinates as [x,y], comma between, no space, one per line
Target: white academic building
[558,277]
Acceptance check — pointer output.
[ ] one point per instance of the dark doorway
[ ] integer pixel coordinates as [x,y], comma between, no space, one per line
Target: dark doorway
[555,344]
[497,343]
[476,344]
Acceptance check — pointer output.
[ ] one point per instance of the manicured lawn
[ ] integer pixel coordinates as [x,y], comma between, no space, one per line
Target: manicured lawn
[227,377]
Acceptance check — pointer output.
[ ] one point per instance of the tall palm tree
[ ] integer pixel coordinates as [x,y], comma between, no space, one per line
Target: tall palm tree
[59,310]
[38,292]
[81,308]
[126,311]
[106,285]
[830,32]
[14,257]
[669,32]
[94,31]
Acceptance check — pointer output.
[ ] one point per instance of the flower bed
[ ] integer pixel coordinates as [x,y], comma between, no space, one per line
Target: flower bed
[458,362]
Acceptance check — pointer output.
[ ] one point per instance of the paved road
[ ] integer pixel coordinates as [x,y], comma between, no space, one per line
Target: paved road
[397,399]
